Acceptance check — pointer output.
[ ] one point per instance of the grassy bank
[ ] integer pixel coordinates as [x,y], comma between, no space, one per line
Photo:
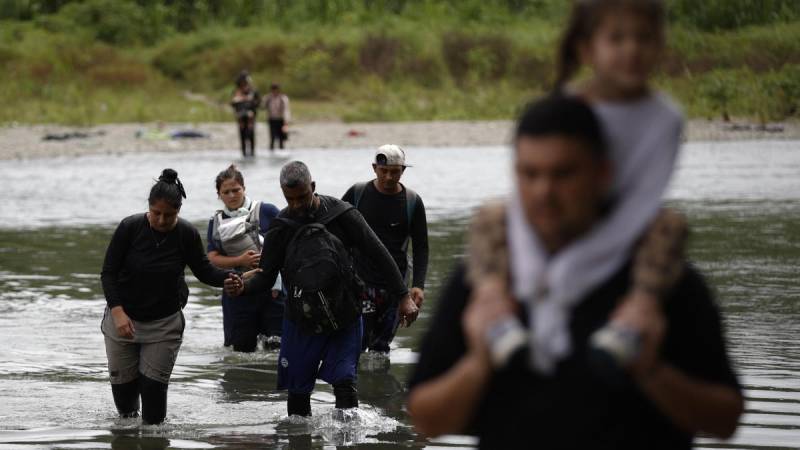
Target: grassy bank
[437,60]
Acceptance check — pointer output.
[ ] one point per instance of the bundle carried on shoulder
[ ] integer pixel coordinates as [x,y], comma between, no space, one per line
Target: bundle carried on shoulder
[487,244]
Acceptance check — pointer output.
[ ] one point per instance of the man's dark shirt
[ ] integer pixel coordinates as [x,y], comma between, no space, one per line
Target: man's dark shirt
[349,227]
[147,279]
[387,215]
[575,408]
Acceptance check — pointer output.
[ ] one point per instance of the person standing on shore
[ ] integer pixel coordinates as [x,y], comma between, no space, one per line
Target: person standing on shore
[245,104]
[309,244]
[143,282]
[235,241]
[278,115]
[397,216]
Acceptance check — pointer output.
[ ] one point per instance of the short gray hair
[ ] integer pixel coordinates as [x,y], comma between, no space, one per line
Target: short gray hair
[295,174]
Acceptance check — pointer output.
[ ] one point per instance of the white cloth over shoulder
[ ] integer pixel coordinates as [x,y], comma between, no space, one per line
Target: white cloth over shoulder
[643,139]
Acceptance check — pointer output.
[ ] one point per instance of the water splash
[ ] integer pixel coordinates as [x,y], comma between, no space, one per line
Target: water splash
[341,426]
[378,362]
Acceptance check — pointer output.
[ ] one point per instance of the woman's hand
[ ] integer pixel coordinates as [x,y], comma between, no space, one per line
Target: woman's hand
[234,285]
[122,323]
[250,258]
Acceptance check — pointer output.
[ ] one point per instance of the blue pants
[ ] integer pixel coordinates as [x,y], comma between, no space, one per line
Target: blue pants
[380,320]
[333,357]
[244,318]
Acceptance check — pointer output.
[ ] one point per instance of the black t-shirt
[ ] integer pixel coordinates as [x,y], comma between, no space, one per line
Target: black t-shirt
[575,408]
[349,227]
[387,215]
[143,268]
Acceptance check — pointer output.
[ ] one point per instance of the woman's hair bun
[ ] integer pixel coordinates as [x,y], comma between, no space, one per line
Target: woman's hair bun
[168,176]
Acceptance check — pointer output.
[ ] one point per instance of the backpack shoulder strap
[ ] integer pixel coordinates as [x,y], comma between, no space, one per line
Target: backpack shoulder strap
[411,204]
[217,219]
[255,212]
[338,209]
[358,192]
[291,223]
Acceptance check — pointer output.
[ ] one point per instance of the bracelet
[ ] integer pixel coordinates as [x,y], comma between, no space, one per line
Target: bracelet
[505,337]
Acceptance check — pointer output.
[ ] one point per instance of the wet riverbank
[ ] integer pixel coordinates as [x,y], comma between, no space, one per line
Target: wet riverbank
[41,141]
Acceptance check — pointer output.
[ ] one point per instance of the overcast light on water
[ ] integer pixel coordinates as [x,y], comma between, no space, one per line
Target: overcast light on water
[742,199]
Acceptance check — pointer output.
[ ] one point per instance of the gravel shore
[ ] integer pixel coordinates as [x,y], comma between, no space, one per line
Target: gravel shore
[28,141]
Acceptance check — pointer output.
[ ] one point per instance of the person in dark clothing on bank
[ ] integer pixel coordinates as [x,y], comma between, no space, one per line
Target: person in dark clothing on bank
[245,103]
[322,327]
[397,215]
[479,370]
[145,290]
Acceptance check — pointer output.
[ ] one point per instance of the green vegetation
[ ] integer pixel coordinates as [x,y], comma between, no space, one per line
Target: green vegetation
[93,61]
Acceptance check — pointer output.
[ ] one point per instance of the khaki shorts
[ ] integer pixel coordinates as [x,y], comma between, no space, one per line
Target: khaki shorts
[152,351]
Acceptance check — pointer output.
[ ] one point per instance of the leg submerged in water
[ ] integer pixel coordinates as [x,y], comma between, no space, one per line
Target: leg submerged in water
[299,404]
[346,394]
[154,400]
[126,398]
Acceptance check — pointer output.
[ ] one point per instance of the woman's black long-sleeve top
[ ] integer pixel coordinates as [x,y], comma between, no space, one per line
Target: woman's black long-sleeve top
[144,269]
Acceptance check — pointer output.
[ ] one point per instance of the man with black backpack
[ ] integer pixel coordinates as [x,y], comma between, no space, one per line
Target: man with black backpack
[309,244]
[397,215]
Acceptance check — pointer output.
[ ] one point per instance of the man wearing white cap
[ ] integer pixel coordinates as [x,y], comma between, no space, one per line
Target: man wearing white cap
[397,215]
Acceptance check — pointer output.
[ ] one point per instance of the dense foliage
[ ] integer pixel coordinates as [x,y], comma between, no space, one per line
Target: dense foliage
[84,61]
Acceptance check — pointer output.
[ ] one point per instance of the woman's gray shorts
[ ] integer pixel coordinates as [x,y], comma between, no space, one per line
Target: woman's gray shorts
[151,352]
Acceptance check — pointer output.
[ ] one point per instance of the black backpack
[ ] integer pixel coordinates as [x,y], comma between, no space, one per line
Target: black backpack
[323,288]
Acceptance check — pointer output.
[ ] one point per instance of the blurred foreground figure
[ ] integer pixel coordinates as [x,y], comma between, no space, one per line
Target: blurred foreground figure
[483,368]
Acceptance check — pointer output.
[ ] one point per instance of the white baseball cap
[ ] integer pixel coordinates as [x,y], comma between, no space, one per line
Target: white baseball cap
[390,155]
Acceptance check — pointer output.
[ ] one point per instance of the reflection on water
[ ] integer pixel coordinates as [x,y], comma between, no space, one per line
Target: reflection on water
[743,202]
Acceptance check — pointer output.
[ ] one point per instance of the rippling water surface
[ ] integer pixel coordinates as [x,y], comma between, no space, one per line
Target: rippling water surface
[743,200]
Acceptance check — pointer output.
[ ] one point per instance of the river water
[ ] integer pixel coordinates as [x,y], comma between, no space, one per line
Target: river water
[742,198]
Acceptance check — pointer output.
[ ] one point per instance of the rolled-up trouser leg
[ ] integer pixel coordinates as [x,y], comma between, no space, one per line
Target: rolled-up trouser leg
[346,394]
[299,404]
[126,398]
[154,400]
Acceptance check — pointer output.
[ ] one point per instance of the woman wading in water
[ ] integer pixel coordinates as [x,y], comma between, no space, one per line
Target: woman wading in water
[235,240]
[145,290]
